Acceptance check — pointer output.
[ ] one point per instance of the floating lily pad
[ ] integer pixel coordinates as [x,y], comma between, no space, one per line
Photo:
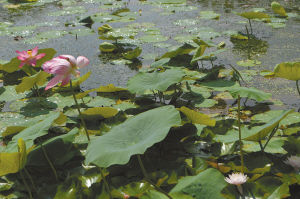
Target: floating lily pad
[209,15]
[153,38]
[278,9]
[107,47]
[69,11]
[133,53]
[248,63]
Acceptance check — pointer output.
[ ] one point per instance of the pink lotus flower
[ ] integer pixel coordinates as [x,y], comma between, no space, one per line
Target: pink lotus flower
[29,57]
[62,67]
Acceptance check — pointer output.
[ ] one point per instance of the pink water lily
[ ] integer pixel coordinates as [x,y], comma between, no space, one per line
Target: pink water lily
[29,57]
[63,67]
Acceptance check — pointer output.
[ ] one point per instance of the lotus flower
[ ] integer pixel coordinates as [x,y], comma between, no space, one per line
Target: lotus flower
[294,161]
[62,67]
[29,57]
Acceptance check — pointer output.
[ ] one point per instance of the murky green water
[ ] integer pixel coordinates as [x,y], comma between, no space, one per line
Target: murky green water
[270,46]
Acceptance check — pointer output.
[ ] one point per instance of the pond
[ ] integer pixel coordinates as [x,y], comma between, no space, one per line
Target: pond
[169,99]
[55,24]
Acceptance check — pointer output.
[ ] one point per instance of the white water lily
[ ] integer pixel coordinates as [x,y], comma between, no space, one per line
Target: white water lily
[293,161]
[237,179]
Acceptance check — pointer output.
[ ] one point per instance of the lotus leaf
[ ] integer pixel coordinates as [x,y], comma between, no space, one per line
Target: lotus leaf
[27,83]
[197,117]
[278,9]
[262,131]
[288,70]
[251,93]
[107,47]
[133,53]
[182,50]
[156,80]
[105,112]
[208,184]
[209,15]
[254,15]
[15,161]
[132,137]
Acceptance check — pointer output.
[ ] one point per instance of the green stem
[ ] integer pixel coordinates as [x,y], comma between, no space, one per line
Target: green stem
[148,179]
[49,162]
[105,183]
[26,185]
[271,135]
[297,85]
[248,42]
[80,115]
[250,26]
[261,146]
[30,178]
[240,133]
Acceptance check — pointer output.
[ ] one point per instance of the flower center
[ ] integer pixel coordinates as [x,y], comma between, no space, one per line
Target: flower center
[29,52]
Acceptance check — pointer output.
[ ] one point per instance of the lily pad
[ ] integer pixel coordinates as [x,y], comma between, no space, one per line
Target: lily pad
[132,137]
[288,70]
[254,15]
[209,15]
[197,117]
[153,38]
[133,53]
[278,9]
[248,63]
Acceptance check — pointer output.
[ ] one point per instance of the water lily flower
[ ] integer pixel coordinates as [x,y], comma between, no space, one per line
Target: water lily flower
[237,179]
[293,161]
[63,67]
[29,57]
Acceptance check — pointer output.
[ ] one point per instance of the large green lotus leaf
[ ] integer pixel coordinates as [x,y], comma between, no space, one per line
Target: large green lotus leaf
[197,117]
[182,50]
[133,53]
[251,93]
[132,137]
[31,133]
[27,83]
[11,66]
[8,93]
[254,15]
[207,184]
[265,129]
[154,81]
[288,70]
[278,9]
[59,149]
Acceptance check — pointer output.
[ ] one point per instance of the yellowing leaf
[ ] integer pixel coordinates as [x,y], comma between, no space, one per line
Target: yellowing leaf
[197,117]
[13,162]
[254,15]
[28,82]
[105,112]
[109,89]
[288,70]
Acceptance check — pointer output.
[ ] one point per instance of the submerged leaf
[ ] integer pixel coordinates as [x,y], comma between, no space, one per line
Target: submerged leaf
[132,137]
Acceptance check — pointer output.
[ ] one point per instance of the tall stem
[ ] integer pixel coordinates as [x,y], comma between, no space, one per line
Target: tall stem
[80,115]
[248,42]
[26,185]
[240,133]
[297,85]
[148,179]
[105,183]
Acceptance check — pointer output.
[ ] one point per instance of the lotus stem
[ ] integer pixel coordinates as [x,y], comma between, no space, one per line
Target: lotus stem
[80,115]
[248,41]
[105,183]
[30,178]
[240,133]
[49,162]
[297,85]
[148,179]
[270,137]
[26,185]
